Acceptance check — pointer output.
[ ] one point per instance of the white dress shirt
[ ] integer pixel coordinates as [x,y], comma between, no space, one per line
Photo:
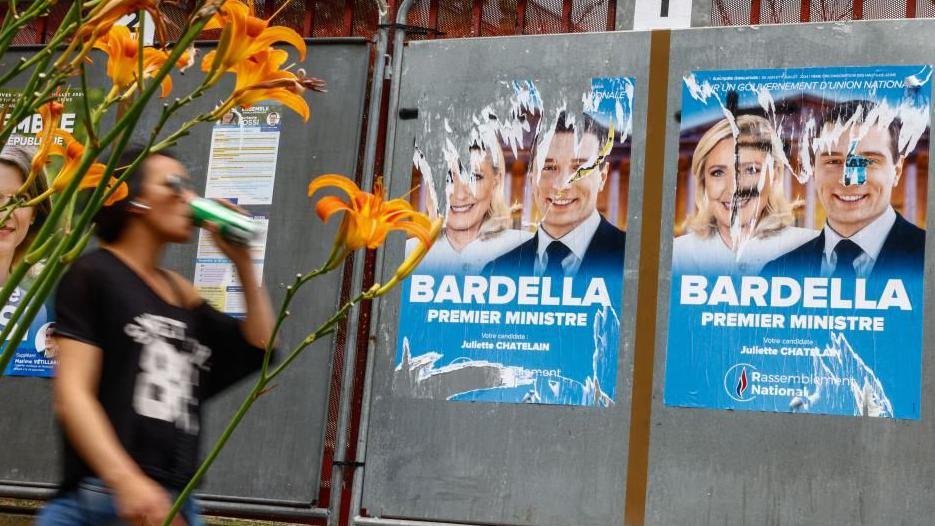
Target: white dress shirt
[693,254]
[473,256]
[578,241]
[870,239]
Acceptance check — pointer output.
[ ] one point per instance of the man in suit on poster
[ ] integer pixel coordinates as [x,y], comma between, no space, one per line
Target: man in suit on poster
[857,165]
[573,238]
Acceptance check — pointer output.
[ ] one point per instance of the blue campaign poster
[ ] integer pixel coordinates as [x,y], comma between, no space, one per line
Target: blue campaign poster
[35,356]
[519,301]
[797,265]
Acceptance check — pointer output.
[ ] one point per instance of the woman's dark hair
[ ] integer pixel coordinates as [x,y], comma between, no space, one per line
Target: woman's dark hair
[111,220]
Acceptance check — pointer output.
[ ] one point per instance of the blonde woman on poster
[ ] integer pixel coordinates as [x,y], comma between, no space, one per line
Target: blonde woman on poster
[477,216]
[741,221]
[16,234]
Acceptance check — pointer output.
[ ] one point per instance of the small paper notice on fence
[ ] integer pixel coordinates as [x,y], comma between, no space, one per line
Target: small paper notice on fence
[662,14]
[216,277]
[244,149]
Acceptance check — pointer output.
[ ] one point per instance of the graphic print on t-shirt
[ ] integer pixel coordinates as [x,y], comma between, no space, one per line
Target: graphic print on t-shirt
[169,363]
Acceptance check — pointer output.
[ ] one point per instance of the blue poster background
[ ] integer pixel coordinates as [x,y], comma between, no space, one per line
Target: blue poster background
[535,338]
[33,357]
[864,361]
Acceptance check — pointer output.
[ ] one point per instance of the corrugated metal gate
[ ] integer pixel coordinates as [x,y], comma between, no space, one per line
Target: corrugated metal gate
[744,12]
[472,18]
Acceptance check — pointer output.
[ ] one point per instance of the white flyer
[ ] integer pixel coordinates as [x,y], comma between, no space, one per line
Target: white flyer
[215,275]
[244,149]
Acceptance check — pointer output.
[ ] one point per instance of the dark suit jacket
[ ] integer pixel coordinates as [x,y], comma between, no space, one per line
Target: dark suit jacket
[605,252]
[903,252]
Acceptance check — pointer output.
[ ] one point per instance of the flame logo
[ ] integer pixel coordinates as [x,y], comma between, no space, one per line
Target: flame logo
[742,383]
[737,382]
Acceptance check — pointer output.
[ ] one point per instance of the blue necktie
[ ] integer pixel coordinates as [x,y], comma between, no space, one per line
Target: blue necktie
[556,253]
[847,251]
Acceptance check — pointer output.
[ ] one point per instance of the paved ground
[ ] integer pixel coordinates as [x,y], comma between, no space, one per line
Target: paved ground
[9,517]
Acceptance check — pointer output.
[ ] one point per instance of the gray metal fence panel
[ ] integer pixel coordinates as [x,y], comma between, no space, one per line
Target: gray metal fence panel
[735,468]
[502,463]
[625,13]
[702,12]
[31,452]
[275,456]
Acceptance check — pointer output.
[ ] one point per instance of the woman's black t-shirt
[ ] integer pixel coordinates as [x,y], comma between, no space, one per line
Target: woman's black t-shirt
[159,363]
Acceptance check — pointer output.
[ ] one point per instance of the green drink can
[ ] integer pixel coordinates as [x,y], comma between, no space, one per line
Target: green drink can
[234,227]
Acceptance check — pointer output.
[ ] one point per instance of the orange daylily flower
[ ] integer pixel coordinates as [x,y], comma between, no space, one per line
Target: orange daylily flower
[103,17]
[368,217]
[122,51]
[243,36]
[72,151]
[92,179]
[412,260]
[187,59]
[51,114]
[259,78]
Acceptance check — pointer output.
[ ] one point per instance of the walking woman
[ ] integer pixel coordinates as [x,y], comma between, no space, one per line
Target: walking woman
[139,352]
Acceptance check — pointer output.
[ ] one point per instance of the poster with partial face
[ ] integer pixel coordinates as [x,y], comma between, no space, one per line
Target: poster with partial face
[797,258]
[35,355]
[519,300]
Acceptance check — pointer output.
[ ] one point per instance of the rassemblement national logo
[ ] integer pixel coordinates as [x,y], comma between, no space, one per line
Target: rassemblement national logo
[737,381]
[743,382]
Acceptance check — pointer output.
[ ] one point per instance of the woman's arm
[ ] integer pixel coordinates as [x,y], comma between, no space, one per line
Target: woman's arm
[258,325]
[138,498]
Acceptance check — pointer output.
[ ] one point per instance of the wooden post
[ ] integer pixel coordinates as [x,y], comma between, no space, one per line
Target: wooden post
[648,280]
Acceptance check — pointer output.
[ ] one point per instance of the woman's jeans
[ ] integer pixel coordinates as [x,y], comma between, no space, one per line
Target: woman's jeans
[92,504]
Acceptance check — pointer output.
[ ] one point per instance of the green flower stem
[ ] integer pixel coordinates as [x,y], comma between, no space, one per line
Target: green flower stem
[215,451]
[186,40]
[284,313]
[36,255]
[129,120]
[20,316]
[169,109]
[31,98]
[31,94]
[28,307]
[259,388]
[284,310]
[86,106]
[323,330]
[15,278]
[9,209]
[64,253]
[169,141]
[122,129]
[66,28]
[18,20]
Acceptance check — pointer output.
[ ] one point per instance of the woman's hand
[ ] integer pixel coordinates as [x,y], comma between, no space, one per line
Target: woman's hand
[141,501]
[238,254]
